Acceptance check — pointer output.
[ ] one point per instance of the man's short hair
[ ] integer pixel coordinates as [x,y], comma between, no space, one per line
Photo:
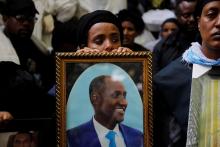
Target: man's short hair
[97,84]
[177,8]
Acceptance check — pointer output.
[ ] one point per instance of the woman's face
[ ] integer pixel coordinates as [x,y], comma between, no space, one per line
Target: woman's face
[129,32]
[104,36]
[209,27]
[168,28]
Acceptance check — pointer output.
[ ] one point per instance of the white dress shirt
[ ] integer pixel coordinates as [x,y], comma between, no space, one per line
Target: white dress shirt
[102,131]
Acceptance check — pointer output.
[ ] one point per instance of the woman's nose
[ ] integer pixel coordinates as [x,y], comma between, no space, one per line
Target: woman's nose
[108,45]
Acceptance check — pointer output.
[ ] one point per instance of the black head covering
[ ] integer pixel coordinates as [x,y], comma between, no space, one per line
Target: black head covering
[199,6]
[14,7]
[89,19]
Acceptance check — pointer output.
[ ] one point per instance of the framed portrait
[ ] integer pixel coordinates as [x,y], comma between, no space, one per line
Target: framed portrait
[84,82]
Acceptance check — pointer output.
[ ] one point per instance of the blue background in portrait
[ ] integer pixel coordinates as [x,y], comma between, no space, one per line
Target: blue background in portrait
[79,108]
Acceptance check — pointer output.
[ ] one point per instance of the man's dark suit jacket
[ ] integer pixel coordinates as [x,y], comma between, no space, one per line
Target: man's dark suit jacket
[85,136]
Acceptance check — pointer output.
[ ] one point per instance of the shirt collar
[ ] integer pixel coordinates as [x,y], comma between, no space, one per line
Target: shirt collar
[102,130]
[199,70]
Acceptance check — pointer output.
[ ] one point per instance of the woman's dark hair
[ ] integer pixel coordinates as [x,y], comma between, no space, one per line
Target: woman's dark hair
[199,6]
[172,20]
[133,17]
[64,33]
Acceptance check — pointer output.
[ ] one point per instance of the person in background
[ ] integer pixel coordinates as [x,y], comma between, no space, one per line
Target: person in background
[204,118]
[132,25]
[172,83]
[170,49]
[64,36]
[199,67]
[108,98]
[26,72]
[169,26]
[22,139]
[19,18]
[100,31]
[66,10]
[171,94]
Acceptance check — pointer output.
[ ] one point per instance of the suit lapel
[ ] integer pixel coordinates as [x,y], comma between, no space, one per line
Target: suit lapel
[93,137]
[126,137]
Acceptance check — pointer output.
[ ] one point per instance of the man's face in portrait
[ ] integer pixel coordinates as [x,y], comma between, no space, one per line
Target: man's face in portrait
[112,104]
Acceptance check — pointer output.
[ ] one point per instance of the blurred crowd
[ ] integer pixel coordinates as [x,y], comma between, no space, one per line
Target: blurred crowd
[31,32]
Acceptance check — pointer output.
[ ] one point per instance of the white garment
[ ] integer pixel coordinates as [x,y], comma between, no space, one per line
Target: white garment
[102,131]
[112,5]
[7,51]
[38,25]
[144,37]
[154,18]
[1,21]
[199,70]
[66,9]
[40,32]
[150,45]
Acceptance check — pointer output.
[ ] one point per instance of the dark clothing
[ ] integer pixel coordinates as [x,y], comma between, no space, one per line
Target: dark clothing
[25,86]
[13,7]
[34,61]
[171,98]
[170,49]
[29,105]
[136,47]
[64,35]
[20,95]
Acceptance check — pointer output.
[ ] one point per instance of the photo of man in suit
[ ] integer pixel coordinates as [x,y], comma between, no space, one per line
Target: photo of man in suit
[108,98]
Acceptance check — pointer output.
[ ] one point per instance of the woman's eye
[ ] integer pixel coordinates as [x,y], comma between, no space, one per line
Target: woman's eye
[98,41]
[116,39]
[212,14]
